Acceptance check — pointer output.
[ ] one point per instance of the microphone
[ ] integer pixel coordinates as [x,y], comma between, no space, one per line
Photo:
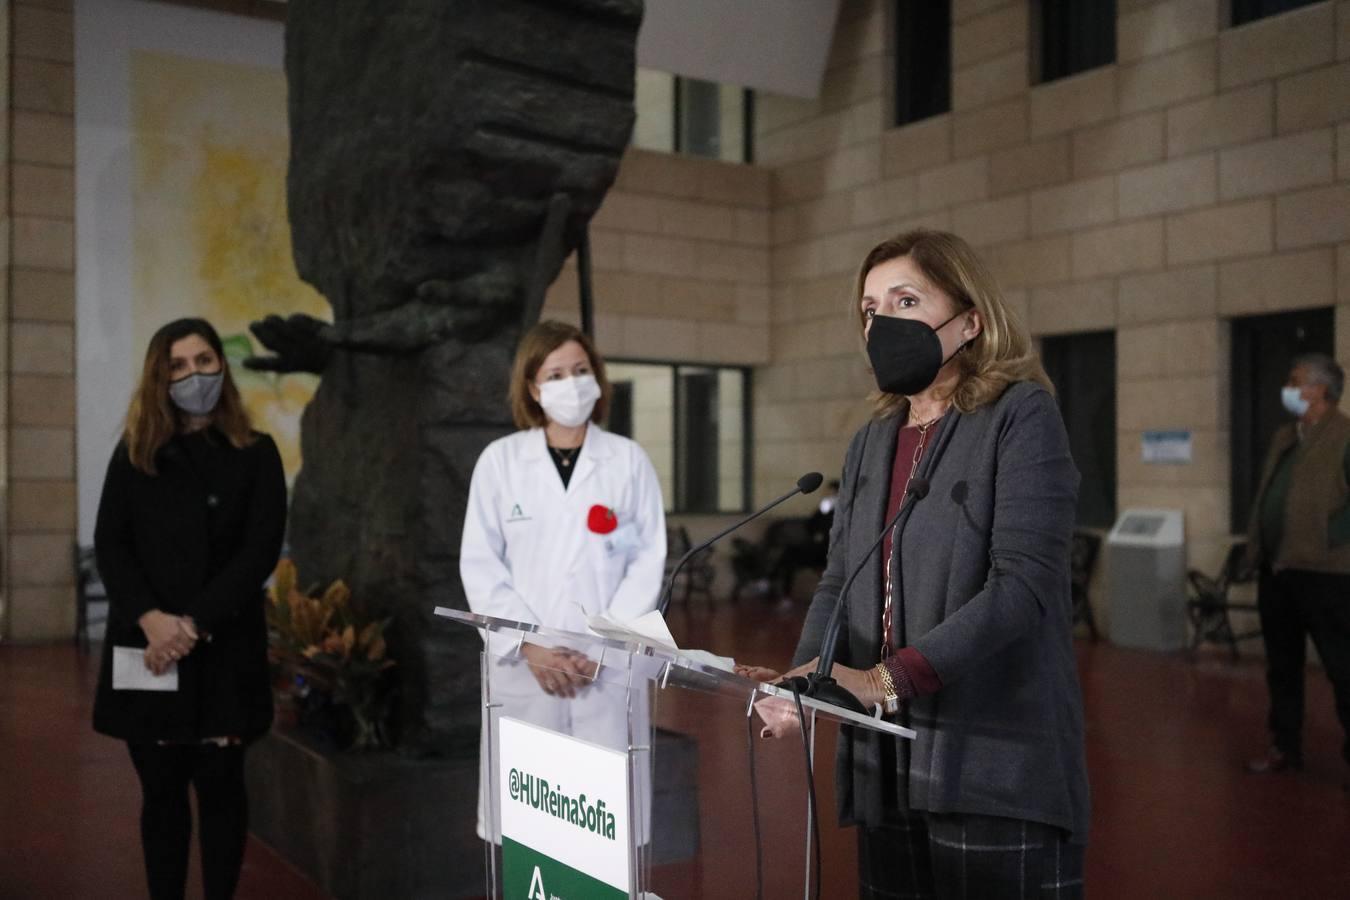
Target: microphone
[805,485]
[819,684]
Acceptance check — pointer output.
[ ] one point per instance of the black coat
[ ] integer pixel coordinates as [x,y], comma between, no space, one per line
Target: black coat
[199,538]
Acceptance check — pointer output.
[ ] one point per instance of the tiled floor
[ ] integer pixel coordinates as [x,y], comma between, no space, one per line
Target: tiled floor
[69,800]
[1174,814]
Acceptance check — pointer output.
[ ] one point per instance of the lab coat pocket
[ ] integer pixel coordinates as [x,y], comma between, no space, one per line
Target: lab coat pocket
[621,543]
[604,564]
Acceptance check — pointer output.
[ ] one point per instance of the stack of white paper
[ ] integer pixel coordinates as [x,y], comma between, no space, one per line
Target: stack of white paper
[651,629]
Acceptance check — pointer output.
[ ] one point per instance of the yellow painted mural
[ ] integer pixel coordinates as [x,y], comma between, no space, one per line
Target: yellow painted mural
[209,146]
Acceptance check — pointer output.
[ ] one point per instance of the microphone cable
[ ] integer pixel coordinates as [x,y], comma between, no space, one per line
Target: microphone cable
[754,803]
[814,820]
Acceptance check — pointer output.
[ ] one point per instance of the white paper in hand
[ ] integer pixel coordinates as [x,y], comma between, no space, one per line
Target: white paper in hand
[130,674]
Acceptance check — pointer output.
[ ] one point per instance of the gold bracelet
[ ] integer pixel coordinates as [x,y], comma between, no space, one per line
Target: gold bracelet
[890,702]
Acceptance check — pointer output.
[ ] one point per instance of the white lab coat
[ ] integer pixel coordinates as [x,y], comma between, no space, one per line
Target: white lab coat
[528,554]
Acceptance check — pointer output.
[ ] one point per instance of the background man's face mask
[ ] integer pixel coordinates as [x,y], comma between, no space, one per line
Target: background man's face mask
[1292,398]
[906,354]
[198,393]
[569,401]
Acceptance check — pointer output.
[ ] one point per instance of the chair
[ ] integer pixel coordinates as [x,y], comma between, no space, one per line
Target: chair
[1086,546]
[788,546]
[1208,605]
[89,592]
[697,574]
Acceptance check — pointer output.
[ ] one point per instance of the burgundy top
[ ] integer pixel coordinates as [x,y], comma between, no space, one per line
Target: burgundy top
[912,673]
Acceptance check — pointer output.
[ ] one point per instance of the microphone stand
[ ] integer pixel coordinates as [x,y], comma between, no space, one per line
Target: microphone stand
[820,684]
[805,485]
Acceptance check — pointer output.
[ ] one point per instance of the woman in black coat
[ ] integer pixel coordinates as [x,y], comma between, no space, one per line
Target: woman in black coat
[190,525]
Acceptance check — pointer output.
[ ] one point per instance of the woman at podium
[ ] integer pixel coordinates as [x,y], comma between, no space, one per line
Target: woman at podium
[565,521]
[960,625]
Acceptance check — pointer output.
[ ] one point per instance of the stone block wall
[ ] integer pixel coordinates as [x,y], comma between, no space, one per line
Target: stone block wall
[37,294]
[1202,176]
[680,263]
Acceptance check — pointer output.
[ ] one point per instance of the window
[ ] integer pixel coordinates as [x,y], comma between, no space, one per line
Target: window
[1083,369]
[694,423]
[697,118]
[654,100]
[923,59]
[713,121]
[1245,11]
[1074,35]
[1263,349]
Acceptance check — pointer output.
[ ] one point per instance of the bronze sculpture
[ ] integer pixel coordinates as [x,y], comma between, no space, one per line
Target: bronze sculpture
[446,157]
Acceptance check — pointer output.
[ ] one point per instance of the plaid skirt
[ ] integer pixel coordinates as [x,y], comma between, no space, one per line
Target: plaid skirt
[930,855]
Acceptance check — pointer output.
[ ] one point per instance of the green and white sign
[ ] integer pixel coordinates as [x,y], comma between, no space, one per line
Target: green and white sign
[564,815]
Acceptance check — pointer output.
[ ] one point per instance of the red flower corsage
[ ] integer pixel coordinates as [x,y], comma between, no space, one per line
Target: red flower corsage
[601,519]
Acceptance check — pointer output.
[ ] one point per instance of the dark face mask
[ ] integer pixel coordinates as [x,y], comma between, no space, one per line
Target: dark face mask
[905,353]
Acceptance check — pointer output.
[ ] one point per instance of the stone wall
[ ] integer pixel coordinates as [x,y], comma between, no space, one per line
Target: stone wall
[680,263]
[1204,175]
[37,294]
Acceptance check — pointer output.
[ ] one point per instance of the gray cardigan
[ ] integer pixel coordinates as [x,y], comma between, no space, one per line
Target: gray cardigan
[983,570]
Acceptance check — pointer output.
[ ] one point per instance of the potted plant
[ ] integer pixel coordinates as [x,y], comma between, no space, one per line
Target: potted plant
[332,658]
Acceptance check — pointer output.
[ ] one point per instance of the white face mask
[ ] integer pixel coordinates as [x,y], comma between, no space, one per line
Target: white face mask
[569,401]
[1293,401]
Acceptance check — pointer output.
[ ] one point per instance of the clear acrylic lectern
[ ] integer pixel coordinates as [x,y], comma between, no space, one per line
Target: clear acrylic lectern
[629,675]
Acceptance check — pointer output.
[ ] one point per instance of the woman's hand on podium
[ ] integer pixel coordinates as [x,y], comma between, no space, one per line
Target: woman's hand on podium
[560,672]
[865,684]
[758,673]
[780,715]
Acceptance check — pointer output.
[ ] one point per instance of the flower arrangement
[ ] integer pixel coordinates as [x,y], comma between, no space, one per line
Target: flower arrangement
[324,644]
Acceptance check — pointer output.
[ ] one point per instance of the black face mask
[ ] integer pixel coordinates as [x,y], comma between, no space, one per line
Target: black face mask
[905,353]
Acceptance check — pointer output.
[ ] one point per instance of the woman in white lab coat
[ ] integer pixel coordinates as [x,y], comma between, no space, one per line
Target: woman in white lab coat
[564,521]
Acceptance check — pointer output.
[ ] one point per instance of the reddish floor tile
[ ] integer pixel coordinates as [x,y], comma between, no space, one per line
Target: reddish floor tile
[1174,814]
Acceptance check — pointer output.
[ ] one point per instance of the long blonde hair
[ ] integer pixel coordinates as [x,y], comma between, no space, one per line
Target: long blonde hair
[153,419]
[1001,354]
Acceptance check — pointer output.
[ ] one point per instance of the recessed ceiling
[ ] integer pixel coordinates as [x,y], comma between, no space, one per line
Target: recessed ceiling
[771,45]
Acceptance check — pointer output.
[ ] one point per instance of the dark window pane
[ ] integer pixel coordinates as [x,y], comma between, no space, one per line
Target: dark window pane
[700,129]
[748,127]
[1076,35]
[1083,369]
[621,408]
[1264,347]
[1245,11]
[713,121]
[696,458]
[923,59]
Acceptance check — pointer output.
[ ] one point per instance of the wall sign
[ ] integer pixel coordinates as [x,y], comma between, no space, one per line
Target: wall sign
[1167,447]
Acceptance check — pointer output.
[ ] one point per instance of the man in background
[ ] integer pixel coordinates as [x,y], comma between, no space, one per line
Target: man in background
[1300,538]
